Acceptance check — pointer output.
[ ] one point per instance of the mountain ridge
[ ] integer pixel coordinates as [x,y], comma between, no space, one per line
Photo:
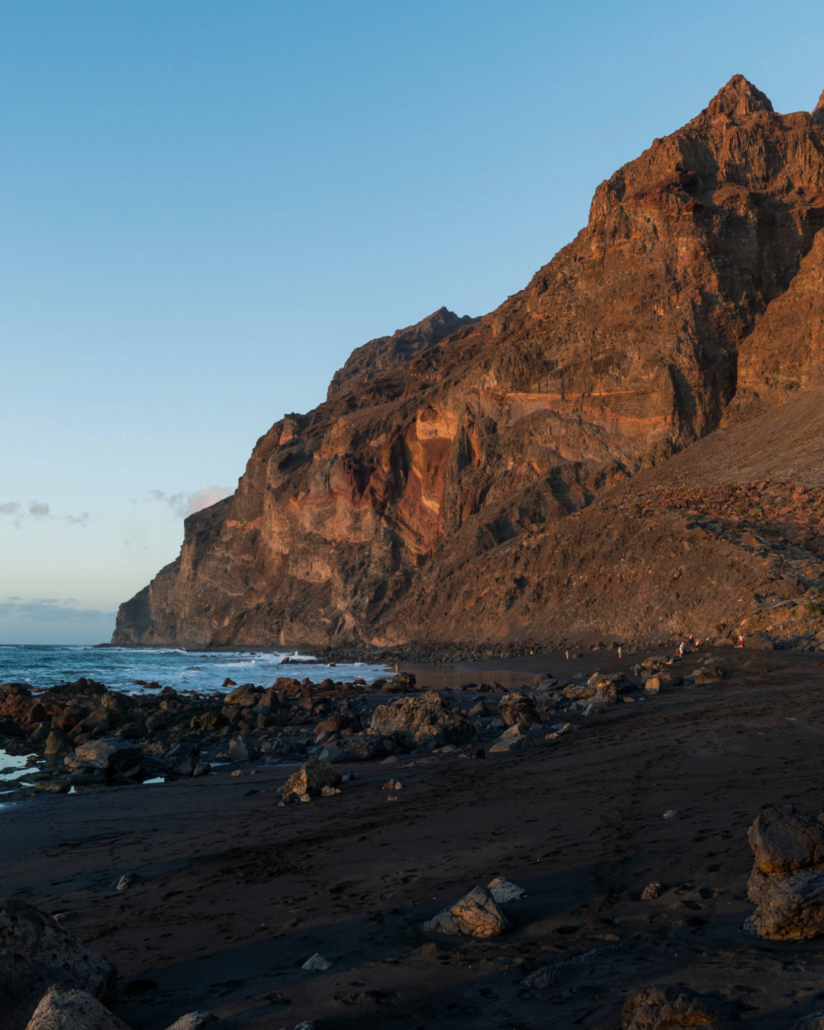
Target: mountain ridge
[691,300]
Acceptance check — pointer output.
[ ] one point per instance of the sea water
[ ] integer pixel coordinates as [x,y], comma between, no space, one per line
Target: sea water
[119,667]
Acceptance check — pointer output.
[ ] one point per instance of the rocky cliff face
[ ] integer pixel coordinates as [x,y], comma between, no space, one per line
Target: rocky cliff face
[691,300]
[390,352]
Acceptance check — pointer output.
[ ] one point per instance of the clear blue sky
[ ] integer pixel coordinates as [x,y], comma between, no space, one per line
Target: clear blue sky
[206,205]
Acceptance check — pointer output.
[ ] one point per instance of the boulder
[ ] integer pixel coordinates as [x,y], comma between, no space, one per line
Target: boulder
[519,710]
[242,750]
[675,1008]
[361,747]
[36,953]
[787,879]
[311,778]
[784,840]
[423,721]
[182,760]
[579,691]
[246,695]
[475,915]
[58,743]
[504,891]
[63,1008]
[790,909]
[110,754]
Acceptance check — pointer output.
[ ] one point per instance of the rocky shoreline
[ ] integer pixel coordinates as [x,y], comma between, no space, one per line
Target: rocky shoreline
[574,845]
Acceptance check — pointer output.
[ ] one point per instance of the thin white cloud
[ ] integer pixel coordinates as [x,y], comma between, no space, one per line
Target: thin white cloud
[10,508]
[187,504]
[40,510]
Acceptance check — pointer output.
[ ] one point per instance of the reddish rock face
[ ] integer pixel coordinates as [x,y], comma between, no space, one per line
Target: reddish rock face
[693,295]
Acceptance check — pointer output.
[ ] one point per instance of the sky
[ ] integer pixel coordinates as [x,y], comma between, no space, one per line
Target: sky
[205,205]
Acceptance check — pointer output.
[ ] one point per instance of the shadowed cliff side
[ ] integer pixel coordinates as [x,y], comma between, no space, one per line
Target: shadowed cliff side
[693,295]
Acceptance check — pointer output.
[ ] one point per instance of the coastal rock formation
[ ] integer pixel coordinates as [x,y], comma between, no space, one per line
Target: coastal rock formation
[474,486]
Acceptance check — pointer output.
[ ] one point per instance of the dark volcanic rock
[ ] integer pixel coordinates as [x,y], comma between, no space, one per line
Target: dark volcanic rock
[421,722]
[787,880]
[390,352]
[676,1008]
[111,754]
[36,953]
[67,1009]
[432,501]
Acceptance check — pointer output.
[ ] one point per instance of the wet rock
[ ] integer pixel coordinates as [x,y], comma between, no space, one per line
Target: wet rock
[317,964]
[36,953]
[63,1008]
[311,778]
[392,785]
[675,1008]
[202,769]
[504,891]
[424,721]
[246,695]
[475,915]
[58,743]
[111,754]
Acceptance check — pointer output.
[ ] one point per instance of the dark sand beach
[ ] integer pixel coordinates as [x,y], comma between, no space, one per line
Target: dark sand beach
[236,893]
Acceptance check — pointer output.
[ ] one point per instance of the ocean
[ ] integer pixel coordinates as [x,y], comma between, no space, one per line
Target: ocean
[119,667]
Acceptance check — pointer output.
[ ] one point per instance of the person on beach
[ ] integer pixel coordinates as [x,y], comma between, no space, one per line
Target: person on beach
[740,639]
[620,651]
[681,649]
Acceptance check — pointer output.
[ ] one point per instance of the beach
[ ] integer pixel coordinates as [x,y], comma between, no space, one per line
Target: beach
[236,893]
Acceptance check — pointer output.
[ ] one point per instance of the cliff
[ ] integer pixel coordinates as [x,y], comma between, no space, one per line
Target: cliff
[443,466]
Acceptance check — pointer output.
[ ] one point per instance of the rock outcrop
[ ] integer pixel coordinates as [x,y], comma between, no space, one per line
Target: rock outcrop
[473,487]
